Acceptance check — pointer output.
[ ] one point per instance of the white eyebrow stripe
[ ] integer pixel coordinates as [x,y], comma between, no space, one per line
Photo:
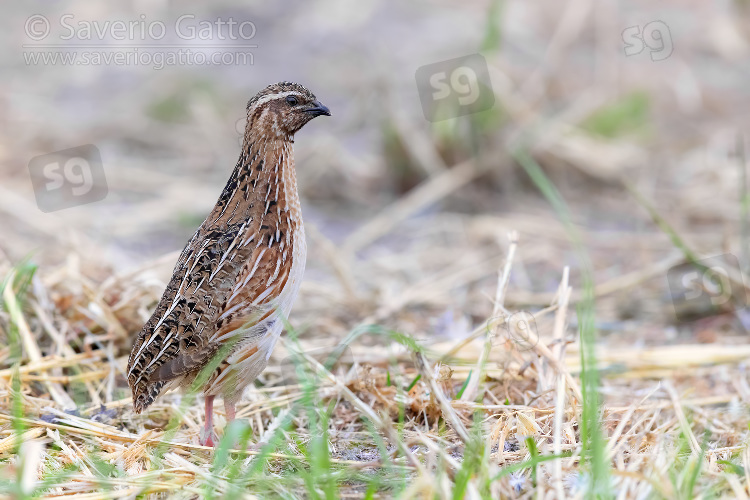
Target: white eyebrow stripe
[271,97]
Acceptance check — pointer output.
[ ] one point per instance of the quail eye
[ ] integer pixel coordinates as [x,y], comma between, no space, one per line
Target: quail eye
[291,100]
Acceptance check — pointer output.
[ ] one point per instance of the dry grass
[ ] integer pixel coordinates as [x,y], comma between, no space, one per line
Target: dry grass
[666,409]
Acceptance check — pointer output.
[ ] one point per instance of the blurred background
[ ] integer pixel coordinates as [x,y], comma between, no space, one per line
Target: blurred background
[623,105]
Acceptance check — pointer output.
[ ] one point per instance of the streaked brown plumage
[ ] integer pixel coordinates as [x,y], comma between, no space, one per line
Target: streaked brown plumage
[241,270]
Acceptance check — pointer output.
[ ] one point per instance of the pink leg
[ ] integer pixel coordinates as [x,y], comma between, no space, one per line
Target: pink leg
[207,437]
[230,410]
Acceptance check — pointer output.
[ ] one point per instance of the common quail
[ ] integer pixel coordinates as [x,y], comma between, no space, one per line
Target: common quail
[240,272]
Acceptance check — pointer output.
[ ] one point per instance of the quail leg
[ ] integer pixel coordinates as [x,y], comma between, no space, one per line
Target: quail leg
[208,436]
[230,411]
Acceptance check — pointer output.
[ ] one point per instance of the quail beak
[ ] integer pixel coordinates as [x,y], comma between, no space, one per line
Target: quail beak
[318,109]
